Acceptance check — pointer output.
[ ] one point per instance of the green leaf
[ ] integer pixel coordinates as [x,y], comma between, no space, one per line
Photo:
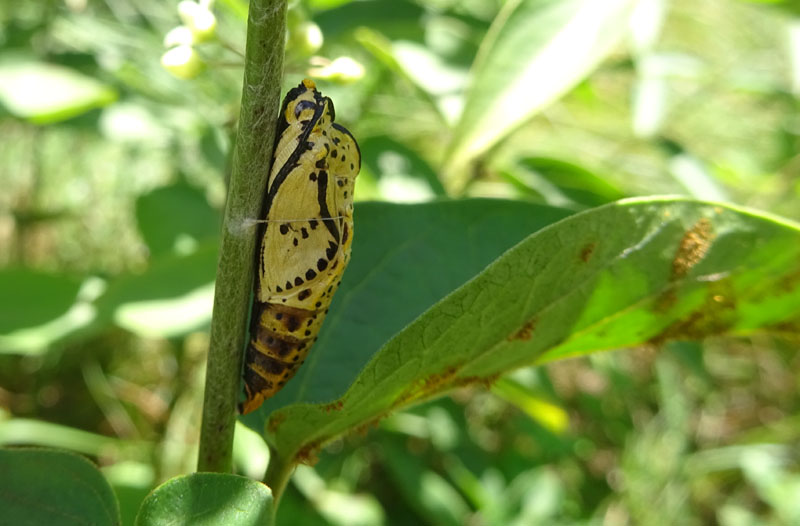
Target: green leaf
[45,93]
[42,486]
[405,259]
[207,499]
[431,495]
[562,183]
[38,297]
[629,273]
[172,297]
[534,52]
[27,431]
[395,19]
[399,170]
[176,218]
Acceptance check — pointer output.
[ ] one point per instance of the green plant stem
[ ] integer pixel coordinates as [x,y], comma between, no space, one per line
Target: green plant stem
[263,70]
[278,473]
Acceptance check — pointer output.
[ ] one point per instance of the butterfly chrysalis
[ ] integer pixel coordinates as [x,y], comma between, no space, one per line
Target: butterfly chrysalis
[307,231]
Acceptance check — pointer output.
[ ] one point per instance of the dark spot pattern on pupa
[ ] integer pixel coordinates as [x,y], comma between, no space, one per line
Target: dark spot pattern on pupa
[284,229]
[304,294]
[298,281]
[292,323]
[310,274]
[331,250]
[321,264]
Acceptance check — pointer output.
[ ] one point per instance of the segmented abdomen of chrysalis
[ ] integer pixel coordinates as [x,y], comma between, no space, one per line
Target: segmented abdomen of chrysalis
[306,240]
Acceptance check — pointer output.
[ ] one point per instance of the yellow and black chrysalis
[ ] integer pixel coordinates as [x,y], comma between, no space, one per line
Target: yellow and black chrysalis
[307,234]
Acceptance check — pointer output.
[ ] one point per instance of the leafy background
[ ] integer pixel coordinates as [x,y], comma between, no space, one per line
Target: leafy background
[114,174]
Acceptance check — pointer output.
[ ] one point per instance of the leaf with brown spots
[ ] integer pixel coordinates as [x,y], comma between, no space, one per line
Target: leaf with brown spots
[460,293]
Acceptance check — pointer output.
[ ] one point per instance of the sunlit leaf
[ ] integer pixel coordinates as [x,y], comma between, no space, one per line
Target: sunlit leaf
[534,52]
[44,93]
[626,274]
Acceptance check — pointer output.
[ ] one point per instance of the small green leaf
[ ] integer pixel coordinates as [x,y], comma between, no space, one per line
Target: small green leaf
[176,218]
[41,486]
[394,164]
[534,52]
[207,499]
[562,183]
[45,93]
[172,297]
[629,273]
[38,297]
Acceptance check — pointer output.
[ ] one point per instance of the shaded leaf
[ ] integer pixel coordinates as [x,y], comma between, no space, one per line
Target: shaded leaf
[42,486]
[207,499]
[393,18]
[562,183]
[172,297]
[405,259]
[176,215]
[38,297]
[392,162]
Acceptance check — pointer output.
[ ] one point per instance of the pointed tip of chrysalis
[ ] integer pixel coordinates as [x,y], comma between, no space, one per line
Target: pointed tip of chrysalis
[309,84]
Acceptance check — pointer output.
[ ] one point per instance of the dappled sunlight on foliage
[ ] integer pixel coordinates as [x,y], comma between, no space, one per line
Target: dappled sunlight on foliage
[458,378]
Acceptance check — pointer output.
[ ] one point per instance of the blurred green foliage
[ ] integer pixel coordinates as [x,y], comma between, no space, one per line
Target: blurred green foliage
[113,174]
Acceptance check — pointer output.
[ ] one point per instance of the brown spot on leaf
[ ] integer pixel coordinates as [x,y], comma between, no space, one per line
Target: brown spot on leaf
[275,421]
[333,406]
[587,251]
[524,333]
[308,453]
[715,316]
[692,248]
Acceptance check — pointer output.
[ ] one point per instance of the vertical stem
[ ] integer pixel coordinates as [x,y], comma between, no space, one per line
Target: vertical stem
[277,476]
[263,70]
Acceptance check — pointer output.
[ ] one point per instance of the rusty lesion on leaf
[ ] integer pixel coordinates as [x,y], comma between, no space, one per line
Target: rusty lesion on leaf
[484,381]
[692,248]
[587,251]
[525,332]
[373,423]
[715,316]
[424,387]
[333,406]
[308,453]
[275,421]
